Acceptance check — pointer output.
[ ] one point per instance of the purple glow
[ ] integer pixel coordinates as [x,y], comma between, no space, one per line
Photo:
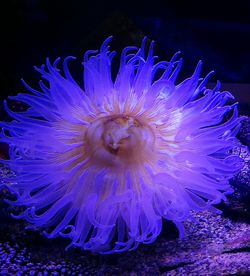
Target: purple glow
[106,163]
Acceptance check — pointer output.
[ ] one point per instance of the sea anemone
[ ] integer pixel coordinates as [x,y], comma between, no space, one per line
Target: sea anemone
[104,164]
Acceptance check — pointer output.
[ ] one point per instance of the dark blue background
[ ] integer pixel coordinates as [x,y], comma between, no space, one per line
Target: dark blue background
[218,32]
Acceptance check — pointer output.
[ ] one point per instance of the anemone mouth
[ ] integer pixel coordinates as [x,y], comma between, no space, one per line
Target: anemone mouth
[118,141]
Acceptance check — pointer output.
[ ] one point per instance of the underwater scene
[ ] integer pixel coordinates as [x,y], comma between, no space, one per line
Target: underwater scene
[125,137]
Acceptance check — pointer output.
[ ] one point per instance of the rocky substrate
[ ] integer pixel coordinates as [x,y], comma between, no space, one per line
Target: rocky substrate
[213,245]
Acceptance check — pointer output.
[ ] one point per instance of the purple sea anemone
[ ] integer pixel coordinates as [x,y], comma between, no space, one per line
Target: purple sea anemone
[104,164]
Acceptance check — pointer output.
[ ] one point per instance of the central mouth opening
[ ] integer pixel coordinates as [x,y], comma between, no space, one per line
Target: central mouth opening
[117,134]
[119,141]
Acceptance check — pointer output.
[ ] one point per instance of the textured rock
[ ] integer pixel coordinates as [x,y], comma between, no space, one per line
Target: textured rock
[213,245]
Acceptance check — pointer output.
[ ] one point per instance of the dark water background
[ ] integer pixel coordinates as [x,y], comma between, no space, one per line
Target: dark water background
[218,32]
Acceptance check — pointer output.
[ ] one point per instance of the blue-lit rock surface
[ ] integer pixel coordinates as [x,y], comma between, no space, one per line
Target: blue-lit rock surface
[214,245]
